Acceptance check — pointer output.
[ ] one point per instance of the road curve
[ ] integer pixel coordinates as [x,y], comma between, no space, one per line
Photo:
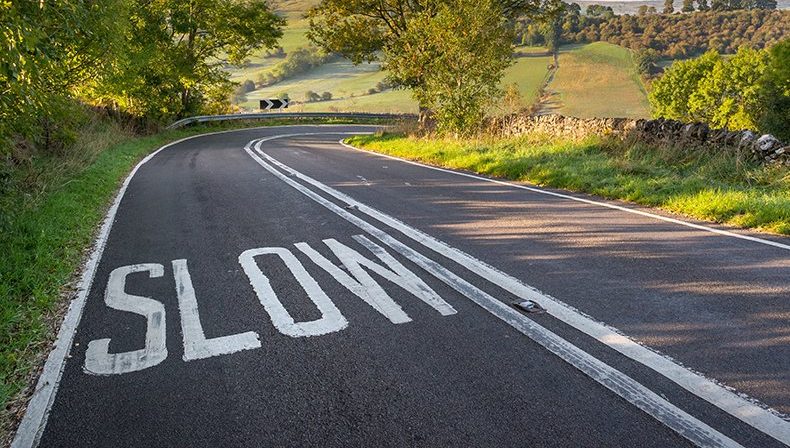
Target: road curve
[271,287]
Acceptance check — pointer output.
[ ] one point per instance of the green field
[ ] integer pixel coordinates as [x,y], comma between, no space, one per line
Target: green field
[599,80]
[349,85]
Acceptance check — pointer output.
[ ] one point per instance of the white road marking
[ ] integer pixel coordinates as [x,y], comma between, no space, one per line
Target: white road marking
[34,421]
[98,359]
[331,320]
[196,346]
[578,199]
[635,393]
[738,405]
[363,286]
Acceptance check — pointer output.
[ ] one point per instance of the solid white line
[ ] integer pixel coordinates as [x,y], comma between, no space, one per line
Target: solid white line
[747,410]
[35,418]
[578,199]
[624,386]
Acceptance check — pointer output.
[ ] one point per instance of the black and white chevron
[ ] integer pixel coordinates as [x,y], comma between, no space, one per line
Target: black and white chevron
[276,103]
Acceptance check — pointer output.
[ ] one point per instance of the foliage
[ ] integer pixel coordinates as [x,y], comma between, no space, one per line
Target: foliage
[177,50]
[671,35]
[723,92]
[775,92]
[463,50]
[46,50]
[403,34]
[295,63]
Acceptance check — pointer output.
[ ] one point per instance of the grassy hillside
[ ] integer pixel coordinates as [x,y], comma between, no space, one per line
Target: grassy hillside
[349,85]
[599,80]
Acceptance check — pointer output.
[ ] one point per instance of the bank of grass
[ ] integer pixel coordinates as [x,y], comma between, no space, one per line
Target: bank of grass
[714,186]
[599,80]
[50,209]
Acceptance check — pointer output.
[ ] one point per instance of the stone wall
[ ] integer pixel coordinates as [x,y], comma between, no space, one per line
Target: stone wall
[764,147]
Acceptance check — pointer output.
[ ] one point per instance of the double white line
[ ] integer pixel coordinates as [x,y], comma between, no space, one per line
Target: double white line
[626,387]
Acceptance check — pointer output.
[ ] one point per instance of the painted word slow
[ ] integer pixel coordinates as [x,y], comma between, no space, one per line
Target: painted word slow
[353,274]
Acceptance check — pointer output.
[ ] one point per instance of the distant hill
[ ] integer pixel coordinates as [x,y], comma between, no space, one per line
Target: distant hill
[630,7]
[295,8]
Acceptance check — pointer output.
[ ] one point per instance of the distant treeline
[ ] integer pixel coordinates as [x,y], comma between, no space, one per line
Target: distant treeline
[670,35]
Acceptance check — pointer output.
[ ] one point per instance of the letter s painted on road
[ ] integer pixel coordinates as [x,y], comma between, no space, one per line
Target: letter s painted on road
[98,359]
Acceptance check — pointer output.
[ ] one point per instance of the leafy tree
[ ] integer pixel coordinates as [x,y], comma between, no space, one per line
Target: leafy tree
[645,60]
[47,50]
[177,50]
[670,94]
[702,5]
[688,6]
[774,92]
[719,5]
[463,50]
[669,7]
[326,96]
[402,34]
[728,95]
[725,93]
[311,96]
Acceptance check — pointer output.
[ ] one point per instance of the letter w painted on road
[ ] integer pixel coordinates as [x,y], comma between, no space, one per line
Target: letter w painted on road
[366,288]
[361,284]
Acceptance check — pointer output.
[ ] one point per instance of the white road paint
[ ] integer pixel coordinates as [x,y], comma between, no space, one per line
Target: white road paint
[330,321]
[366,288]
[635,393]
[363,286]
[98,359]
[578,199]
[196,346]
[34,421]
[736,404]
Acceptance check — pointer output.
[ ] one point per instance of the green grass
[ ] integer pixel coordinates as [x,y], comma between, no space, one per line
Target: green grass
[706,185]
[528,72]
[599,80]
[49,212]
[349,85]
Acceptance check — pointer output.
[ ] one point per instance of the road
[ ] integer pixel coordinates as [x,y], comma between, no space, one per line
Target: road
[271,287]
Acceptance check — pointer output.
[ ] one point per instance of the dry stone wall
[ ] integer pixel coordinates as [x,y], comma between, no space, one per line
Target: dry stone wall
[763,147]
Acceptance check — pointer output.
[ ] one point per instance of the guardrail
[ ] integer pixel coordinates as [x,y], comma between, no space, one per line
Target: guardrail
[275,115]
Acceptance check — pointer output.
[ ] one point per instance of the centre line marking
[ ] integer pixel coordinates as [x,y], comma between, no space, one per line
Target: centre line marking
[747,410]
[624,386]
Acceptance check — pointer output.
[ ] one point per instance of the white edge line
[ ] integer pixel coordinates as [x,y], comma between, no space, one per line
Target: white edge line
[617,382]
[578,199]
[746,409]
[35,419]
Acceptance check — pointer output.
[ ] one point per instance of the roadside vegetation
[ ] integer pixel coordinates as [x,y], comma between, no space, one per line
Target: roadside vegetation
[50,211]
[716,186]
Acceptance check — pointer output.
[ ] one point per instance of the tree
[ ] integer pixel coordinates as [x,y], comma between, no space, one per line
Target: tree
[765,4]
[47,51]
[464,49]
[326,96]
[669,96]
[774,90]
[177,50]
[365,31]
[669,7]
[719,5]
[725,93]
[702,5]
[688,6]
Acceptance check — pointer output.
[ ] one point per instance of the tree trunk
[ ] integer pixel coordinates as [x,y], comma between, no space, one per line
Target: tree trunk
[425,119]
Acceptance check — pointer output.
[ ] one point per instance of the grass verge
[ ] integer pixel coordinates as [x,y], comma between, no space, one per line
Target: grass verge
[713,186]
[50,210]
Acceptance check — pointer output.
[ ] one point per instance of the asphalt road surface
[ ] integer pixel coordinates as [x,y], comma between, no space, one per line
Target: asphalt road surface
[271,287]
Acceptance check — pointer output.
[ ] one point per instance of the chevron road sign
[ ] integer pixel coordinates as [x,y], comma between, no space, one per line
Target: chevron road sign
[274,104]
